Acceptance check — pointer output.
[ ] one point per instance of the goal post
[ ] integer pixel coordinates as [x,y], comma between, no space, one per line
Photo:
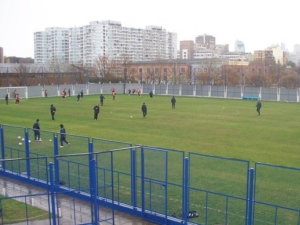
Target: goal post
[22,91]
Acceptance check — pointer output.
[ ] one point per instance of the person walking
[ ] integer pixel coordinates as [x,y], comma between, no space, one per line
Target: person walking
[258,107]
[46,93]
[78,97]
[173,100]
[63,136]
[114,95]
[144,109]
[36,130]
[81,94]
[96,111]
[69,92]
[6,98]
[101,99]
[52,111]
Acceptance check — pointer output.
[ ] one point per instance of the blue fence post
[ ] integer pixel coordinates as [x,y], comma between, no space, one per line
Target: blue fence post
[185,202]
[250,197]
[91,150]
[93,182]
[56,161]
[27,153]
[2,146]
[133,177]
[143,179]
[52,194]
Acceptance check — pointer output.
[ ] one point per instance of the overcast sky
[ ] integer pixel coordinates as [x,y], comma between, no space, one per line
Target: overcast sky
[257,23]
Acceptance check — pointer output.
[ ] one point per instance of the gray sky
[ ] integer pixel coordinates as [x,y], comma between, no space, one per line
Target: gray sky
[258,23]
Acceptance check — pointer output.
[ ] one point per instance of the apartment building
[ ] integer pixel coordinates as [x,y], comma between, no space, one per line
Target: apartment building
[1,55]
[51,45]
[105,39]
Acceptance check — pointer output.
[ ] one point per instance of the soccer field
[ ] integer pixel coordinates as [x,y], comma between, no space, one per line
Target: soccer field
[223,127]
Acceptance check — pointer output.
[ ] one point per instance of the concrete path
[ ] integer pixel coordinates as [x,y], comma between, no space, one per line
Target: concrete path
[71,211]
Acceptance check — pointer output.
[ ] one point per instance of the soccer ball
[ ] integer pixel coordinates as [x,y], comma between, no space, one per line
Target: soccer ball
[19,137]
[130,116]
[29,141]
[20,143]
[23,139]
[50,140]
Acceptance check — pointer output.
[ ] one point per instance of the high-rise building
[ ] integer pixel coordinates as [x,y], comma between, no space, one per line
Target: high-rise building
[239,46]
[205,42]
[1,55]
[51,45]
[297,48]
[106,38]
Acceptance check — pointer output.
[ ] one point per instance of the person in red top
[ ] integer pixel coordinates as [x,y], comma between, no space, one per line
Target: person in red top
[139,91]
[112,89]
[114,95]
[17,99]
[15,93]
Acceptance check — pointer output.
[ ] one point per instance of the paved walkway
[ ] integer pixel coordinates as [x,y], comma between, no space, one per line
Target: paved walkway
[71,211]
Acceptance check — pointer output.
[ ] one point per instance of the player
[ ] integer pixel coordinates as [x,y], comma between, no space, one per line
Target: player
[63,136]
[17,99]
[114,95]
[101,99]
[258,106]
[78,97]
[36,130]
[96,111]
[144,109]
[6,99]
[151,94]
[173,100]
[52,111]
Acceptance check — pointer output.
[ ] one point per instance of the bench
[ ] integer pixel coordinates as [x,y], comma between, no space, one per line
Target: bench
[250,97]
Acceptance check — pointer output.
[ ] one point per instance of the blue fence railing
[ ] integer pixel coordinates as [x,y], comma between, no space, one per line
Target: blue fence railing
[161,185]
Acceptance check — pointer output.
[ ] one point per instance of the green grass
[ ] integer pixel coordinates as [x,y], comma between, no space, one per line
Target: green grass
[220,127]
[16,211]
[229,128]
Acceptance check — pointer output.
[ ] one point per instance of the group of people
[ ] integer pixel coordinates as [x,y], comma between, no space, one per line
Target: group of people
[62,132]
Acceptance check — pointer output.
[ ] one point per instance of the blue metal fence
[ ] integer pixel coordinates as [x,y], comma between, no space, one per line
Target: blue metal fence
[163,186]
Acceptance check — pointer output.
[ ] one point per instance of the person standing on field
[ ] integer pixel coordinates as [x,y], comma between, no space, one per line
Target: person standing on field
[173,100]
[17,99]
[96,111]
[78,97]
[114,95]
[69,92]
[63,136]
[258,106]
[144,109]
[36,130]
[6,99]
[52,111]
[101,99]
[46,93]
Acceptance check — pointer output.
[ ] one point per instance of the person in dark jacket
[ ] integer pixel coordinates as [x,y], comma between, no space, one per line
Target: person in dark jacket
[6,99]
[52,111]
[96,112]
[63,136]
[101,99]
[36,130]
[144,109]
[81,94]
[151,94]
[258,106]
[78,97]
[173,100]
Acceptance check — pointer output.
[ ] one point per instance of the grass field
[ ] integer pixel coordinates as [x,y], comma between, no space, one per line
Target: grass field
[223,127]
